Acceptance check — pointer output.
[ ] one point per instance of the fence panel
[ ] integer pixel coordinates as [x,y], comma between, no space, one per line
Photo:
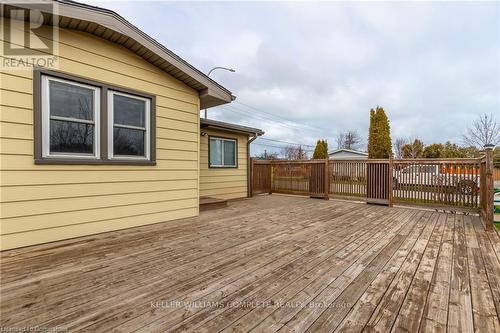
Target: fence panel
[298,177]
[445,183]
[453,183]
[378,182]
[348,178]
[261,177]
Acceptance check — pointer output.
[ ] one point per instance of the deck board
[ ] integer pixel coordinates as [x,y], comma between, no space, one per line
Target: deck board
[266,264]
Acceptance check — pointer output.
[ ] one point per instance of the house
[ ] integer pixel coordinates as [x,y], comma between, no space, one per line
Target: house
[111,137]
[224,159]
[347,154]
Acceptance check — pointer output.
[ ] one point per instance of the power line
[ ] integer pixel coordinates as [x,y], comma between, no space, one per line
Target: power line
[290,143]
[289,123]
[262,111]
[274,146]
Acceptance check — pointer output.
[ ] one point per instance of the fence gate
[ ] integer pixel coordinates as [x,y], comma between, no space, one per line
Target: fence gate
[261,178]
[378,182]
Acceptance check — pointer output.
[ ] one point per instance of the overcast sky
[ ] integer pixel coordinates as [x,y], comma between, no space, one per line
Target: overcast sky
[320,67]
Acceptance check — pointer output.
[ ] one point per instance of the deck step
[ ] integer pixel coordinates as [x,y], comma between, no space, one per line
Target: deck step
[209,203]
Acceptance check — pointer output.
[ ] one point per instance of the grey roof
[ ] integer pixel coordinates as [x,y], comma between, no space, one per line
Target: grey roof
[348,151]
[109,25]
[228,127]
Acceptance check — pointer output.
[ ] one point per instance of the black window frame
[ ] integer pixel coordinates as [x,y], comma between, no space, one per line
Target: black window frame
[103,122]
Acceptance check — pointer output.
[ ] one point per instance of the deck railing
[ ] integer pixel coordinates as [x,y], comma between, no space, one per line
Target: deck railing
[437,182]
[451,184]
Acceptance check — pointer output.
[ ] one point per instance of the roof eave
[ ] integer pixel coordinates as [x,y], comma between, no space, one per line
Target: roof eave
[227,127]
[211,93]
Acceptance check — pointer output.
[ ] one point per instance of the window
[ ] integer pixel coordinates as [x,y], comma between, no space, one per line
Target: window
[79,121]
[223,153]
[128,126]
[70,114]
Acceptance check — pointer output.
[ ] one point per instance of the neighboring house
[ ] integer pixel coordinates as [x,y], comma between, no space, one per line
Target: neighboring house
[224,159]
[111,138]
[347,154]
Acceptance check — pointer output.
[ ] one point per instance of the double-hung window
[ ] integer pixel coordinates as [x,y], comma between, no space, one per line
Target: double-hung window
[80,121]
[223,153]
[70,119]
[129,127]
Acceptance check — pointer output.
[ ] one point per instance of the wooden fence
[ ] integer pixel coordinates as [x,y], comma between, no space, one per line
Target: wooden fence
[451,184]
[496,174]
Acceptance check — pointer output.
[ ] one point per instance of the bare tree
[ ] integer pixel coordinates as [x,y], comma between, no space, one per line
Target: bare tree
[399,143]
[348,140]
[294,153]
[268,156]
[484,130]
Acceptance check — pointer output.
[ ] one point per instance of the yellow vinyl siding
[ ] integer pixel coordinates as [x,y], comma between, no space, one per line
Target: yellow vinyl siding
[223,183]
[43,203]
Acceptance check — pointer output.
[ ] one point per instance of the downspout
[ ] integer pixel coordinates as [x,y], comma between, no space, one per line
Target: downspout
[255,136]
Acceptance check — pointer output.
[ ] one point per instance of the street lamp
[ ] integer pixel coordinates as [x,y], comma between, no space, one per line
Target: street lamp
[210,72]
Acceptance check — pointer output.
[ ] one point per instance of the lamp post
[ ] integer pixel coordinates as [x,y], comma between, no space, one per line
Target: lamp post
[210,72]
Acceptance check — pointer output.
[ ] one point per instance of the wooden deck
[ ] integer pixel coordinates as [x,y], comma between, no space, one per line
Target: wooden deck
[267,264]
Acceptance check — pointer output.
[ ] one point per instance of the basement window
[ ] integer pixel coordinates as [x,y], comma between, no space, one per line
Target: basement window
[223,152]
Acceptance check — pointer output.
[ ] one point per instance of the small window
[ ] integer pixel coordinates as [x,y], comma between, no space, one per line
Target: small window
[70,119]
[223,153]
[129,126]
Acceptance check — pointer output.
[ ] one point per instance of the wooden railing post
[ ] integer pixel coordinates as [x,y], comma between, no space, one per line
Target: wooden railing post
[390,185]
[327,179]
[271,177]
[488,191]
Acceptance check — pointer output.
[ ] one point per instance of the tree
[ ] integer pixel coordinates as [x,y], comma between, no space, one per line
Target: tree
[433,151]
[268,156]
[379,134]
[413,150]
[484,130]
[294,153]
[321,150]
[348,140]
[450,150]
[398,146]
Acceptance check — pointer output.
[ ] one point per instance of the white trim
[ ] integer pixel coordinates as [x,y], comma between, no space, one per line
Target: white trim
[46,117]
[349,151]
[146,129]
[222,153]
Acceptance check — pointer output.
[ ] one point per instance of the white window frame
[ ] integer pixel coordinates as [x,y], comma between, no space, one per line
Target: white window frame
[46,117]
[111,125]
[235,165]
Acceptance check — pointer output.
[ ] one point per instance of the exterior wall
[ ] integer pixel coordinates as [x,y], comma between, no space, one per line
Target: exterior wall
[223,183]
[344,155]
[43,203]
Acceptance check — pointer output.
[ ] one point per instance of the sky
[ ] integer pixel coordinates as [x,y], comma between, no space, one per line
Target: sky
[310,70]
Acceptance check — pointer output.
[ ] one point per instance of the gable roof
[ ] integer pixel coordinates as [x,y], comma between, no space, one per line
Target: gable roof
[348,151]
[109,25]
[228,127]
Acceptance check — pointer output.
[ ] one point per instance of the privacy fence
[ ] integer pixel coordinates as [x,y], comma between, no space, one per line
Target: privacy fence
[449,184]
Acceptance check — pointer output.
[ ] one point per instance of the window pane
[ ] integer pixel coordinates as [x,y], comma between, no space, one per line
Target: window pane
[128,141]
[69,137]
[67,100]
[215,152]
[129,111]
[229,153]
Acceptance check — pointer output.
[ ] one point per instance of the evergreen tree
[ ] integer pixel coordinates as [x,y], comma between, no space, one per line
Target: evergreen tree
[379,136]
[321,150]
